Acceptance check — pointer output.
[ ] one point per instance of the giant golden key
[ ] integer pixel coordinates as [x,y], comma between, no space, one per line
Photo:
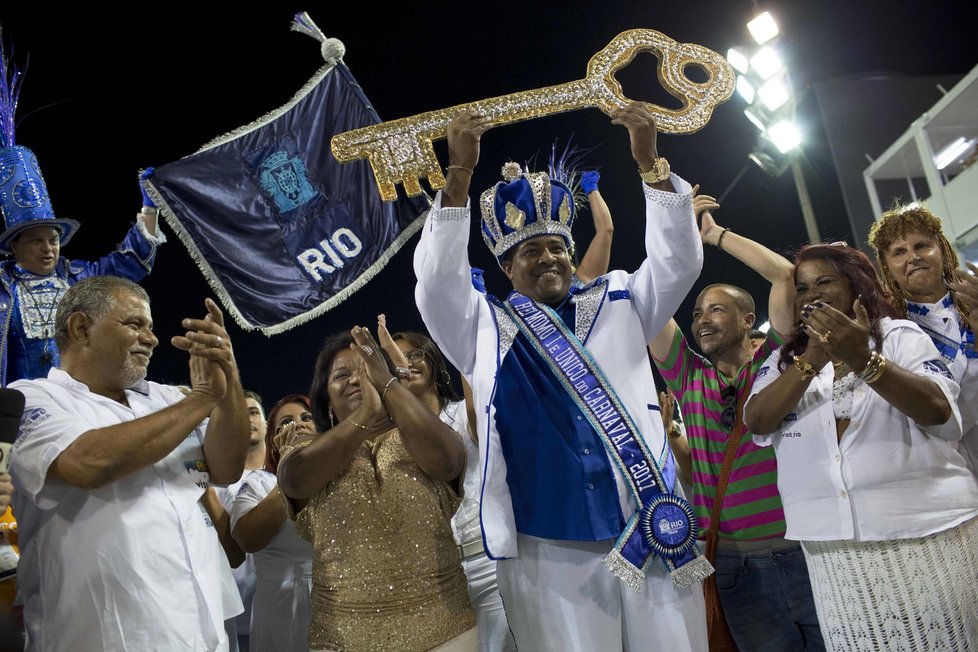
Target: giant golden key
[401,151]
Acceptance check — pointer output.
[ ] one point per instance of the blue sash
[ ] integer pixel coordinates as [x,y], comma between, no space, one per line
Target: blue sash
[664,524]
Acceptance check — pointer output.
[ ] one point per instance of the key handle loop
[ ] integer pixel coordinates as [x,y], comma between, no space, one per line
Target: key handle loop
[698,98]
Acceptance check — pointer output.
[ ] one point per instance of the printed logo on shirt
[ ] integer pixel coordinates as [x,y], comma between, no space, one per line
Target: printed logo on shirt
[29,422]
[198,466]
[762,372]
[791,434]
[938,367]
[791,416]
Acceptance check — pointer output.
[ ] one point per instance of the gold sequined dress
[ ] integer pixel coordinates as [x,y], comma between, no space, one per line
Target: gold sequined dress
[386,572]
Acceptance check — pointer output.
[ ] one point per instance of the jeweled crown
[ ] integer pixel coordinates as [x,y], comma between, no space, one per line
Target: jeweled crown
[526,205]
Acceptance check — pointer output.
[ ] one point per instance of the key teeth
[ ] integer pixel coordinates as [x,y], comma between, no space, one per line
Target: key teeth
[388,191]
[411,186]
[436,179]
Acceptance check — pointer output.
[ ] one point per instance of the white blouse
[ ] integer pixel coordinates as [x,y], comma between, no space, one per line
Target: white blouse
[889,478]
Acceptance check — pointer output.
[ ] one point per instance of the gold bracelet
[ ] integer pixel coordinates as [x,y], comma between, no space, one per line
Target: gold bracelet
[873,369]
[878,362]
[806,368]
[460,167]
[358,425]
[674,432]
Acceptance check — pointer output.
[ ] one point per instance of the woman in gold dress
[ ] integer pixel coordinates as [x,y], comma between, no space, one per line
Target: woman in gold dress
[372,494]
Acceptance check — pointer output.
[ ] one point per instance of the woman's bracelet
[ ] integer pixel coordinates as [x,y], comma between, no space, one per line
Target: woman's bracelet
[386,387]
[358,425]
[806,368]
[873,369]
[461,167]
[720,239]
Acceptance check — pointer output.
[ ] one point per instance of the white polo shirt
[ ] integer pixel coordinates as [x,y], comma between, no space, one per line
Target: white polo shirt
[134,565]
[888,478]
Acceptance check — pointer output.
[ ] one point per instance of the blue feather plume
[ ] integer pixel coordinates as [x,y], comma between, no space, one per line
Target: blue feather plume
[11,79]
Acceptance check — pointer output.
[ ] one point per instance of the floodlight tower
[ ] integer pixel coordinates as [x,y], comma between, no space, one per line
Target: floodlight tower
[763,82]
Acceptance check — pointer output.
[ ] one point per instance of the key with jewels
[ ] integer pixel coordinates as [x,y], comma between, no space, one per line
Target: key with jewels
[401,151]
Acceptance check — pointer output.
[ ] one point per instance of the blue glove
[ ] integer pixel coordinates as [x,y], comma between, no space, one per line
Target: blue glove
[478,282]
[146,198]
[589,181]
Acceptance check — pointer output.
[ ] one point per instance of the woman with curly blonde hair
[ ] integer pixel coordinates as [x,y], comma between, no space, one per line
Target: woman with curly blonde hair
[920,268]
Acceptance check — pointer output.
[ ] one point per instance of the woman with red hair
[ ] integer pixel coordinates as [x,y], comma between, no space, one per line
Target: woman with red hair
[862,413]
[283,560]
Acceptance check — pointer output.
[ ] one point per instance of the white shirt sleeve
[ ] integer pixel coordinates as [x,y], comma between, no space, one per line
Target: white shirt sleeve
[910,348]
[766,375]
[674,256]
[46,430]
[446,299]
[254,489]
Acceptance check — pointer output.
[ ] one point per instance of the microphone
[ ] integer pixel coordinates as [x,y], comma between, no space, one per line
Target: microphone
[11,410]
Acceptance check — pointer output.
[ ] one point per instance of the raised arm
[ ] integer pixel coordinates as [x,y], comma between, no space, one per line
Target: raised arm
[598,255]
[775,269]
[674,254]
[309,464]
[434,446]
[136,254]
[149,212]
[103,455]
[226,440]
[445,297]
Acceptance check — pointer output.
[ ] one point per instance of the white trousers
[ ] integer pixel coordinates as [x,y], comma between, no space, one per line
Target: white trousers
[560,596]
[494,634]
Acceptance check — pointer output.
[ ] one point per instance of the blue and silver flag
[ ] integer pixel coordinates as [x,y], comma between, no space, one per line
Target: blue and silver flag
[280,229]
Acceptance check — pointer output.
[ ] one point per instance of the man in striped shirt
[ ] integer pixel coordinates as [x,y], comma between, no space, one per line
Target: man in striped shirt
[762,579]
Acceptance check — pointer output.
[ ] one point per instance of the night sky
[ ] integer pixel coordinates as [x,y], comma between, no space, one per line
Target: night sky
[151,84]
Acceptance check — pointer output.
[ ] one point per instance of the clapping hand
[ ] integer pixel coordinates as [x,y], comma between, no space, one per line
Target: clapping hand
[211,357]
[966,290]
[833,335]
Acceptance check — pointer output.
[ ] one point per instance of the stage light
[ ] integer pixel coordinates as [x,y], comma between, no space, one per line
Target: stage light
[745,89]
[737,59]
[765,327]
[755,119]
[763,28]
[765,63]
[785,136]
[774,94]
[952,152]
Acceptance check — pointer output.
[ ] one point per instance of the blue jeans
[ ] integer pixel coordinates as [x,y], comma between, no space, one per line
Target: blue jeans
[767,600]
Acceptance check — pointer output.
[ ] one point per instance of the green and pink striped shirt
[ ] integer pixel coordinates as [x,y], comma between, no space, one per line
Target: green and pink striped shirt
[751,506]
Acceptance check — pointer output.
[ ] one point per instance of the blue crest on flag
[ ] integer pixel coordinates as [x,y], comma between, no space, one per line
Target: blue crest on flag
[282,176]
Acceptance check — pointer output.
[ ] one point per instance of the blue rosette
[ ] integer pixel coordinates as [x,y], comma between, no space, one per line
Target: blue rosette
[668,526]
